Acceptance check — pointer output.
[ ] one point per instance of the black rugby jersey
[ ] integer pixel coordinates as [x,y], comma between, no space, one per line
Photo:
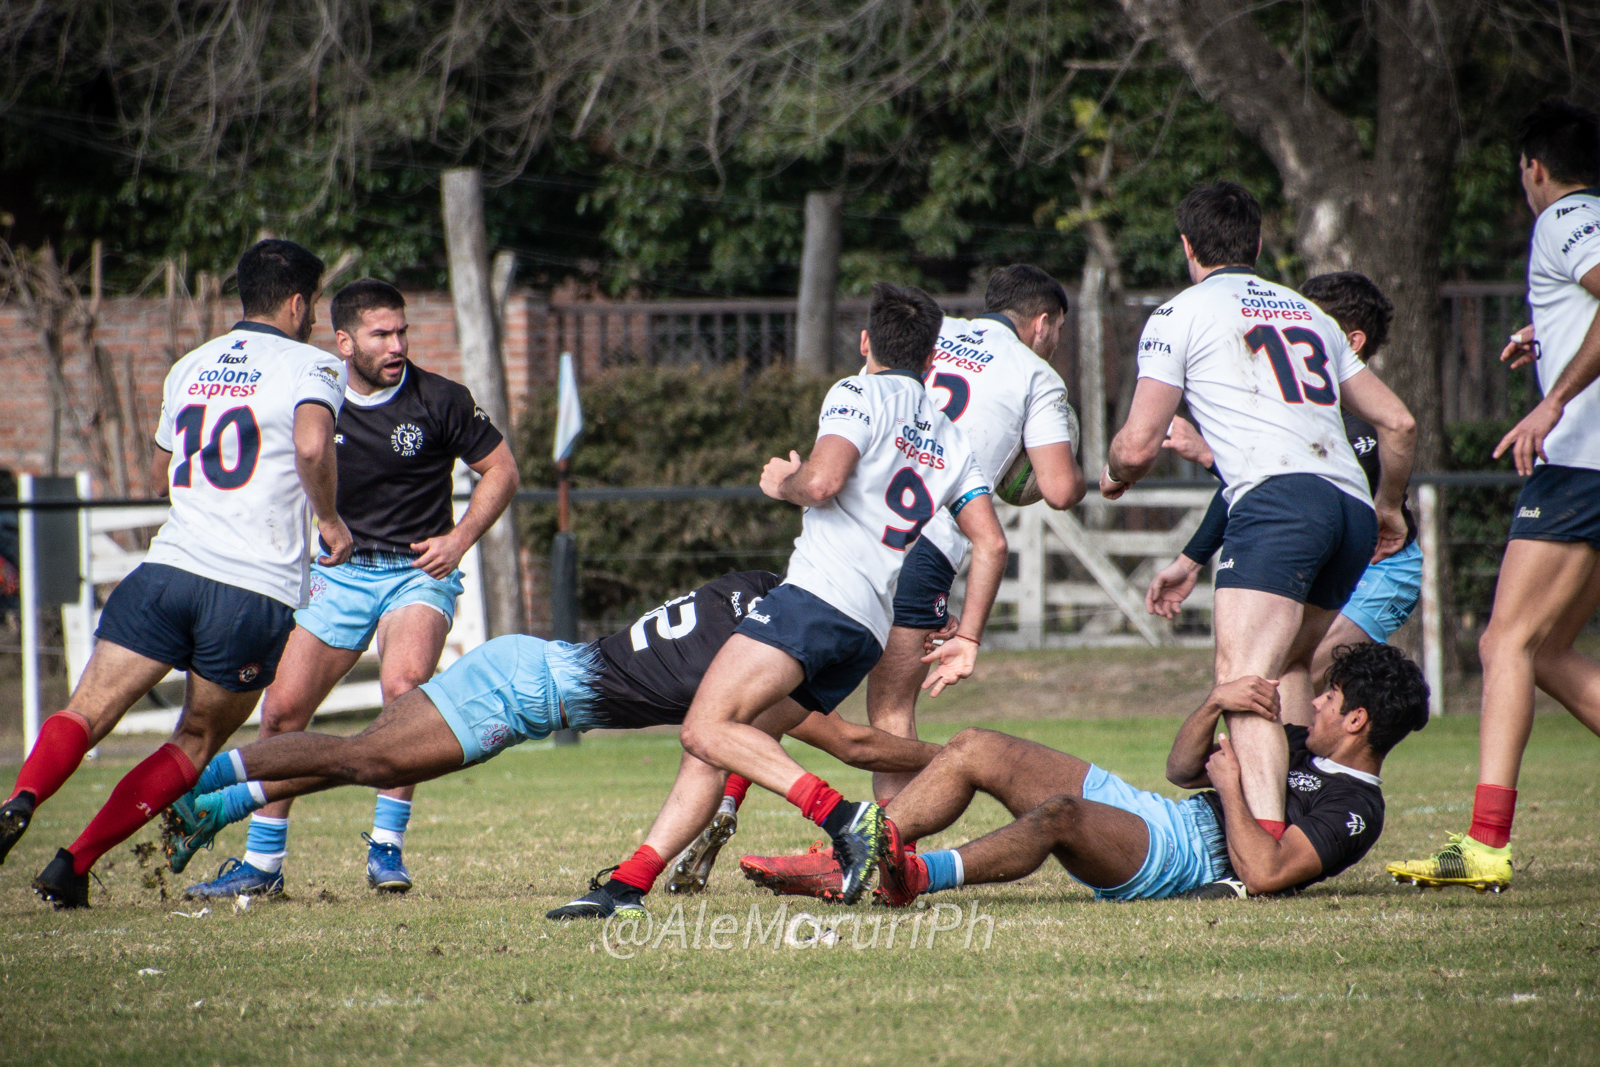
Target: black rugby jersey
[649,672]
[1340,813]
[396,459]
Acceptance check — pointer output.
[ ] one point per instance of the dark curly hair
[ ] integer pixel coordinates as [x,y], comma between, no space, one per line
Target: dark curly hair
[1381,679]
[1355,304]
[903,326]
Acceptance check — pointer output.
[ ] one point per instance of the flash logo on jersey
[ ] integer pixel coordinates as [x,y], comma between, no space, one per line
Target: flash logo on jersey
[406,439]
[1356,824]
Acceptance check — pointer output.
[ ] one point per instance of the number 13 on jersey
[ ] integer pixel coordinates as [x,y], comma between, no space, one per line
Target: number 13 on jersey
[1277,346]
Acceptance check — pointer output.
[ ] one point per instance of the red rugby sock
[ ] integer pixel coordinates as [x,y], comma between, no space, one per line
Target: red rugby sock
[1492,809]
[141,795]
[815,798]
[63,741]
[1274,827]
[736,788]
[641,869]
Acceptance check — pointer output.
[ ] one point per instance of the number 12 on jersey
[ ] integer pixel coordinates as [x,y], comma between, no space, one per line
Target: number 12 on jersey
[1277,348]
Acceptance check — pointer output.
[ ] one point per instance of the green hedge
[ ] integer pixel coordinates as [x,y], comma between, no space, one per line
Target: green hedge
[648,426]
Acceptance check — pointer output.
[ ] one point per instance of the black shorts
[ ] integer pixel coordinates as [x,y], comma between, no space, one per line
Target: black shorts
[922,597]
[226,635]
[836,651]
[1558,504]
[1299,536]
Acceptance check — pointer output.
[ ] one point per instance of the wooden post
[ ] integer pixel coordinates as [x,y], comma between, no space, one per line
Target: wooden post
[816,321]
[483,372]
[1092,381]
[29,573]
[1428,533]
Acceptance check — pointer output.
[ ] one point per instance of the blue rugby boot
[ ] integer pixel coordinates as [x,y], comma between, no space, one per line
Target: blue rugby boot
[236,878]
[386,871]
[190,824]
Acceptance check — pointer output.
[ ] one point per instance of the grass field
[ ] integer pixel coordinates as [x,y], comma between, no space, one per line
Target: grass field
[465,969]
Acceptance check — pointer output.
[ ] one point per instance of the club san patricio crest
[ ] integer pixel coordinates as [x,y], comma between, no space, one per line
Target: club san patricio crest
[406,439]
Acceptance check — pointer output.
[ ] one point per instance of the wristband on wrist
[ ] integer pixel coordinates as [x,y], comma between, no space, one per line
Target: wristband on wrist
[974,640]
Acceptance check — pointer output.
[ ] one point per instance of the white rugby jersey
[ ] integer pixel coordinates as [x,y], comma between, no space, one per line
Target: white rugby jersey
[1001,395]
[1566,246]
[913,463]
[1260,366]
[239,514]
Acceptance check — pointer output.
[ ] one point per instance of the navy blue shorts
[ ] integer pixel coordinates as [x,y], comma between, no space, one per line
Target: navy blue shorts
[227,635]
[1558,504]
[1299,536]
[836,651]
[922,597]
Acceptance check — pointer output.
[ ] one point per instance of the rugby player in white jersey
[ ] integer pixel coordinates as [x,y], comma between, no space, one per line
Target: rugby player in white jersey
[245,451]
[1549,584]
[399,435]
[989,377]
[1264,372]
[885,462]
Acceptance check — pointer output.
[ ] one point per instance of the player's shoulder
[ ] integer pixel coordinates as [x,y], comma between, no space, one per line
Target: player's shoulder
[1567,223]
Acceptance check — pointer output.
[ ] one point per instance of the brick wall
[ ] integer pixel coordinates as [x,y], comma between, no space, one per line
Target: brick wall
[137,333]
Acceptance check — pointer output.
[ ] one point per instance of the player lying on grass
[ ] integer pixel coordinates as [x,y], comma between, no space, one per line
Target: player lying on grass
[1127,843]
[516,689]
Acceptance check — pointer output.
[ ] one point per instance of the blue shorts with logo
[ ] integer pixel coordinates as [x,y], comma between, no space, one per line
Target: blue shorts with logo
[348,600]
[1558,504]
[922,597]
[229,636]
[1299,536]
[1387,594]
[514,689]
[836,651]
[1187,845]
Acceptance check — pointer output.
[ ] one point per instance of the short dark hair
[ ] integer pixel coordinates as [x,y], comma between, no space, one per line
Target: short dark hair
[1356,303]
[1381,679]
[1025,290]
[272,271]
[363,294]
[1565,138]
[902,326]
[1223,224]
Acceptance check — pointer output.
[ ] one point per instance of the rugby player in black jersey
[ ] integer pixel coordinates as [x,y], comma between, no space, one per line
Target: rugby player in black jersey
[400,432]
[1126,843]
[518,688]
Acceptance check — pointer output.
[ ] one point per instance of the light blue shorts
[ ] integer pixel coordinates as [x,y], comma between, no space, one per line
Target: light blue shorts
[1387,594]
[348,600]
[1187,846]
[514,689]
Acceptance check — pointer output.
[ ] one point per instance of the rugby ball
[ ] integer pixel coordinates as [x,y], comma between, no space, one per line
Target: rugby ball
[1018,485]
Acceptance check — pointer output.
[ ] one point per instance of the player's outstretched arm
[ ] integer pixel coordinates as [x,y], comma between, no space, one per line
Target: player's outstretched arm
[1186,763]
[496,486]
[318,466]
[1263,864]
[815,481]
[1365,394]
[1135,448]
[863,747]
[1060,478]
[956,658]
[1526,439]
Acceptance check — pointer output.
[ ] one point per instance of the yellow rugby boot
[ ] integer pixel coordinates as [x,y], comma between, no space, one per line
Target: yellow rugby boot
[1463,861]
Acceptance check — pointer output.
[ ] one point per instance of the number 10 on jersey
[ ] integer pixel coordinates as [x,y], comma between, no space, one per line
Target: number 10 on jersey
[190,425]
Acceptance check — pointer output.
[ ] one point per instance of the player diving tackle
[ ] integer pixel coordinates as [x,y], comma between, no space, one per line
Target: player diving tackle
[514,689]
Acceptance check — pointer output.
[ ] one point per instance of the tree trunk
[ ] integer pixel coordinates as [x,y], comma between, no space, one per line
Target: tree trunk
[467,242]
[1381,213]
[815,320]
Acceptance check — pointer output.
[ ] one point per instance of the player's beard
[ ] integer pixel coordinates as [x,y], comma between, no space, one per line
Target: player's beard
[368,369]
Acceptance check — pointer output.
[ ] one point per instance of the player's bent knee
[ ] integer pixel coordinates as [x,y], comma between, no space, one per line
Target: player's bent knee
[1063,814]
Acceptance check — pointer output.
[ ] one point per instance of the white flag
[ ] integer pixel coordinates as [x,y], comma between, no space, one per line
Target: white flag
[569,413]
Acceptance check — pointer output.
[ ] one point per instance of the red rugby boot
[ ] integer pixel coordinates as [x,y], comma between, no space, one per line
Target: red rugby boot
[814,873]
[902,875]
